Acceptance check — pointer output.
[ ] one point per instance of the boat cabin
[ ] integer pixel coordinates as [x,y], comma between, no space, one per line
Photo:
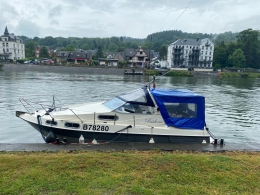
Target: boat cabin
[179,108]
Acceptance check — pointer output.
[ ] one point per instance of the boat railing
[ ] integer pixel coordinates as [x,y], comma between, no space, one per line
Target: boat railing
[35,106]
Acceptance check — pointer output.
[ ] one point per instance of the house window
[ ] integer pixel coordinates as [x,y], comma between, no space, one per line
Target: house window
[7,50]
[202,47]
[210,47]
[206,53]
[6,44]
[209,53]
[3,44]
[141,52]
[201,52]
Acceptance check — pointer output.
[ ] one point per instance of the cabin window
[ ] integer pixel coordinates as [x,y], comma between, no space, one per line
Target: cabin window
[114,103]
[141,52]
[181,110]
[135,108]
[48,122]
[108,117]
[72,125]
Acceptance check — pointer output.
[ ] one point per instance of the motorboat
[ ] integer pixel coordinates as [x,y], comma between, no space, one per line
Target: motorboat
[146,114]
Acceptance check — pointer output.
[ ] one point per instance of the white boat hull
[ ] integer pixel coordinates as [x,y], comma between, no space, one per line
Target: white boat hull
[115,132]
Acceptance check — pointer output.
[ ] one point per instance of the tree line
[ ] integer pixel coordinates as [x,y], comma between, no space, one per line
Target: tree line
[242,53]
[231,49]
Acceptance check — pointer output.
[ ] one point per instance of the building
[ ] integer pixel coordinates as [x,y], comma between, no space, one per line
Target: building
[37,50]
[197,53]
[79,57]
[75,56]
[11,47]
[135,57]
[107,62]
[62,56]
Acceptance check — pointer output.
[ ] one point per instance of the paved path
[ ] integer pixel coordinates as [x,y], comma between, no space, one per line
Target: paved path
[129,146]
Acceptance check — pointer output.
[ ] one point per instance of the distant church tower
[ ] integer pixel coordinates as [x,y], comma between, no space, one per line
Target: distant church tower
[6,31]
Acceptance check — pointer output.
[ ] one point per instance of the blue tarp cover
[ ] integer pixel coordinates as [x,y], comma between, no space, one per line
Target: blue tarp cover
[180,96]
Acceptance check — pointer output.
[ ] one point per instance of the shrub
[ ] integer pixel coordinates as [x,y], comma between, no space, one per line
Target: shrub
[20,61]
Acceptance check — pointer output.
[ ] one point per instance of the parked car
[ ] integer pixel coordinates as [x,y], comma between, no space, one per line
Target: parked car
[35,62]
[49,61]
[44,60]
[27,62]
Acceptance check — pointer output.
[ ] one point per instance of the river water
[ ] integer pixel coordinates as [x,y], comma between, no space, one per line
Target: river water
[232,105]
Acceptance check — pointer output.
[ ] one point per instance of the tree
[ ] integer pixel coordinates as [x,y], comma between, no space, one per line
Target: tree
[113,47]
[44,52]
[29,49]
[249,42]
[69,48]
[220,56]
[163,52]
[99,53]
[48,41]
[237,59]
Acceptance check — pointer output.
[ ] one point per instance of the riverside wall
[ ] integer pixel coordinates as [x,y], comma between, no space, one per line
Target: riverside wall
[86,70]
[64,69]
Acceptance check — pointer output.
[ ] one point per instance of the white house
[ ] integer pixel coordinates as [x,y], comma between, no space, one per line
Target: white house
[11,47]
[196,53]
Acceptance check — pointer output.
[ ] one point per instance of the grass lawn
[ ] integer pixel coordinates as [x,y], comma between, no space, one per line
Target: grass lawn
[129,172]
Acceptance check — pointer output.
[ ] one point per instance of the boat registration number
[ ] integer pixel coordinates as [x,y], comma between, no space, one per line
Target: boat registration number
[95,127]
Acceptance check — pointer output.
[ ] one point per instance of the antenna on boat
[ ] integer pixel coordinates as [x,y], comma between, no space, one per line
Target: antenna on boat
[150,59]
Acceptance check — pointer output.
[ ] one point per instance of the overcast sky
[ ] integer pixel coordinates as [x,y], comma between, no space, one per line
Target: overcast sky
[132,18]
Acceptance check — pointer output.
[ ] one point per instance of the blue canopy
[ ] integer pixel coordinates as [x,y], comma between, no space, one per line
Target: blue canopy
[180,108]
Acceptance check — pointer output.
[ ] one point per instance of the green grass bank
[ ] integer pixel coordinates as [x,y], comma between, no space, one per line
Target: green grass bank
[239,74]
[129,172]
[170,73]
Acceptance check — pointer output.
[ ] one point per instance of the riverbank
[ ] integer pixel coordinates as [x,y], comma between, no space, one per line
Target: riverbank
[63,69]
[99,70]
[34,147]
[120,71]
[129,172]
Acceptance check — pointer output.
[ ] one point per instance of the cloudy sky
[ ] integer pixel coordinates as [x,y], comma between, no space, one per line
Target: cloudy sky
[133,18]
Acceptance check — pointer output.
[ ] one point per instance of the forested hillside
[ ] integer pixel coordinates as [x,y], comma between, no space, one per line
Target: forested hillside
[231,49]
[119,43]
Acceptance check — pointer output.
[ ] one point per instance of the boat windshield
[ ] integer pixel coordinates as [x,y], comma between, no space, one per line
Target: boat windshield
[114,103]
